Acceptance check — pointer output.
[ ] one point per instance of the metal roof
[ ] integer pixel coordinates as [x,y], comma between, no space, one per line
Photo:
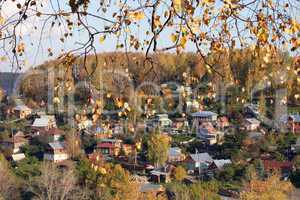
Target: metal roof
[204,114]
[201,157]
[222,162]
[22,107]
[41,122]
[56,145]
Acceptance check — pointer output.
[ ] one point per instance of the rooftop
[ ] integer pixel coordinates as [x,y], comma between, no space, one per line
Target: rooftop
[202,157]
[252,121]
[274,164]
[174,151]
[222,162]
[56,145]
[204,114]
[43,121]
[22,108]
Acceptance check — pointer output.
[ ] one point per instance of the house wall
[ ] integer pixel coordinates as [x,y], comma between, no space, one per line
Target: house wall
[55,157]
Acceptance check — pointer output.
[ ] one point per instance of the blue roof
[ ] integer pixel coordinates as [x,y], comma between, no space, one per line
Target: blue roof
[204,114]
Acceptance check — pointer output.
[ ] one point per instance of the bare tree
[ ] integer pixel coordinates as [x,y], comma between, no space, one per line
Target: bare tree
[8,183]
[56,184]
[73,143]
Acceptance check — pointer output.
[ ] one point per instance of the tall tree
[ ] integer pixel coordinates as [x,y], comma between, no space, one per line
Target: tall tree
[158,146]
[73,144]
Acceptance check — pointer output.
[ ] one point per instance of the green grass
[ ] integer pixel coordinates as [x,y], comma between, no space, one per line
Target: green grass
[181,138]
[293,109]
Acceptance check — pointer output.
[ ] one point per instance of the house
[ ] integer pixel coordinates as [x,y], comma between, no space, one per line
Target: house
[163,120]
[22,111]
[218,165]
[251,124]
[55,152]
[161,175]
[102,133]
[293,123]
[198,162]
[18,156]
[99,132]
[209,134]
[14,143]
[296,147]
[204,116]
[175,155]
[223,122]
[285,167]
[110,147]
[49,135]
[180,123]
[44,122]
[86,124]
[251,109]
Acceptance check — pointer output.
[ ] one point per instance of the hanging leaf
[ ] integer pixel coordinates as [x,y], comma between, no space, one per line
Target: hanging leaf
[177,5]
[102,39]
[137,15]
[174,37]
[2,20]
[183,41]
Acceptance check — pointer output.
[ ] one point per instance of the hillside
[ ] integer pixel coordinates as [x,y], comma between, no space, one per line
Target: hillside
[241,68]
[7,81]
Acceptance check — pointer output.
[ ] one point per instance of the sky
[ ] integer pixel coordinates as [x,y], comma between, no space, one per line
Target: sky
[37,52]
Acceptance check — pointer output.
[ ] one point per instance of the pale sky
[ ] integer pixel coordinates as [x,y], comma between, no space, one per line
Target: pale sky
[36,54]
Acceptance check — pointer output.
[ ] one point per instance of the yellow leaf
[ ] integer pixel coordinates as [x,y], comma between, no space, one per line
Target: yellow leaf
[263,35]
[183,42]
[174,37]
[2,20]
[102,39]
[137,15]
[177,5]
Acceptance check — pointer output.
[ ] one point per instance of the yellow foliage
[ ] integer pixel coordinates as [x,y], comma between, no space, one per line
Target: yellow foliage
[179,173]
[270,189]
